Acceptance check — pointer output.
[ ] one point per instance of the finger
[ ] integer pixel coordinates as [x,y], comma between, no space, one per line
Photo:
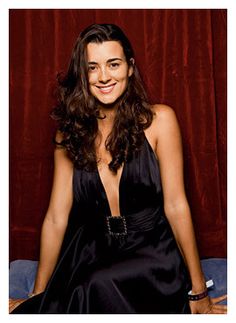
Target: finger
[224,307]
[218,299]
[14,305]
[218,311]
[12,308]
[11,301]
[11,304]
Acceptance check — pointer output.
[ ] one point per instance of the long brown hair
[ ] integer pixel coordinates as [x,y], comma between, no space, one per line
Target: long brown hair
[77,110]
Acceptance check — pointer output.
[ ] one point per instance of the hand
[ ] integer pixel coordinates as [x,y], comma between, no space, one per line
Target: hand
[208,305]
[13,303]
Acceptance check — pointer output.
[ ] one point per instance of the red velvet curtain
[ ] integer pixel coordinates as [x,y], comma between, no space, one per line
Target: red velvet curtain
[182,57]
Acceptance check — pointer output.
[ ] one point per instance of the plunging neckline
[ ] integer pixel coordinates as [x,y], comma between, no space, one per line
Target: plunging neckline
[119,191]
[105,197]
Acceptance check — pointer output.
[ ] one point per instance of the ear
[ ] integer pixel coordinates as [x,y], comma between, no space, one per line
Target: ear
[131,66]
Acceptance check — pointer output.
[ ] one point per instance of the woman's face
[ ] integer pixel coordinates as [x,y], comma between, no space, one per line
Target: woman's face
[108,71]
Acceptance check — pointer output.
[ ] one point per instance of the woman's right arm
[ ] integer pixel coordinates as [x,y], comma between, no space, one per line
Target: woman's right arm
[55,222]
[56,219]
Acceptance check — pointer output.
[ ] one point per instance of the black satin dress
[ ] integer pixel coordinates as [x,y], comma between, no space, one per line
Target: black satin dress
[129,264]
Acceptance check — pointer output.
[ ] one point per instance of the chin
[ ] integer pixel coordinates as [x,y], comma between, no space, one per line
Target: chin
[107,101]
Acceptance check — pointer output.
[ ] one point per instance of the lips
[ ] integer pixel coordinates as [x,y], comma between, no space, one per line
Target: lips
[106,89]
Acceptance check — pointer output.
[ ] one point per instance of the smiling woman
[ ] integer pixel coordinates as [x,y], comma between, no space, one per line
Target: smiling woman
[129,245]
[108,71]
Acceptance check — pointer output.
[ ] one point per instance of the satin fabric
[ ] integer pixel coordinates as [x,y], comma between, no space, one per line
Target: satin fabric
[99,272]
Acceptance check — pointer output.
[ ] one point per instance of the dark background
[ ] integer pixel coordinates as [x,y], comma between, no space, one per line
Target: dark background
[182,57]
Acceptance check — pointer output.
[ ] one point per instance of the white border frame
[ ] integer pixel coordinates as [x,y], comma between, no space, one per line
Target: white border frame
[4,128]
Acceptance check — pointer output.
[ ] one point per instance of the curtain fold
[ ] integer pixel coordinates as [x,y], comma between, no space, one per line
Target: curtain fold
[181,54]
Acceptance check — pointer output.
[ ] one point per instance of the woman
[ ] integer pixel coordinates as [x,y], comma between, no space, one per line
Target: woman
[128,244]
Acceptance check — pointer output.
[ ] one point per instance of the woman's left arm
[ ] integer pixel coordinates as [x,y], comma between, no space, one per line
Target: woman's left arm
[169,153]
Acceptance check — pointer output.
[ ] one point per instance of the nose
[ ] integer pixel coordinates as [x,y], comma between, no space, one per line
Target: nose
[104,75]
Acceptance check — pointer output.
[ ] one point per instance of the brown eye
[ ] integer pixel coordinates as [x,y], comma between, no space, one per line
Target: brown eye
[91,68]
[114,65]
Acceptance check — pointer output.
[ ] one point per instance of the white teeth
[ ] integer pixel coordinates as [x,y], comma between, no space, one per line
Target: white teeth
[106,87]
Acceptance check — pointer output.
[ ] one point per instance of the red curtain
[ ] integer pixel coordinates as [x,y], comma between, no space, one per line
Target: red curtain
[182,57]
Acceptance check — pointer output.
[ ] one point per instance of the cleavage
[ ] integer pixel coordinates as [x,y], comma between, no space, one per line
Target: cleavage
[110,183]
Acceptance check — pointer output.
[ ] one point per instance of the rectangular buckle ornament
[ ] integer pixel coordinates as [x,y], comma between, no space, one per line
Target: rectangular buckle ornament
[116,225]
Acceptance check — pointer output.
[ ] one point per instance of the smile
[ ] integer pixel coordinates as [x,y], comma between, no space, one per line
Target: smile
[106,89]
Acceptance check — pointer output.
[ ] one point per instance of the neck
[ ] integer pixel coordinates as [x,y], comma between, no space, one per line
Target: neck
[108,113]
[105,124]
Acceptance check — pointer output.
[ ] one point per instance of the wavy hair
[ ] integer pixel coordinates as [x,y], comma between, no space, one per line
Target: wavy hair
[77,110]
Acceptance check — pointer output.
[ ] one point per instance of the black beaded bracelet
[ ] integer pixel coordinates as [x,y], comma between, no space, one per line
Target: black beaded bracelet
[197,297]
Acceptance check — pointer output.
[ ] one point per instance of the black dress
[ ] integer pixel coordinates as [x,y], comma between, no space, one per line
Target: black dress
[126,264]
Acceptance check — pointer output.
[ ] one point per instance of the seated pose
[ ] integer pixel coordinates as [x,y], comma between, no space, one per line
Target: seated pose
[118,235]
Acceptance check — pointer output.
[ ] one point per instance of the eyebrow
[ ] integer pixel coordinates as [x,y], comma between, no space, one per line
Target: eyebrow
[108,61]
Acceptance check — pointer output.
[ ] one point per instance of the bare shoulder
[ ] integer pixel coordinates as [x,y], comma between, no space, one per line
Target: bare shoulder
[163,125]
[164,120]
[164,130]
[163,112]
